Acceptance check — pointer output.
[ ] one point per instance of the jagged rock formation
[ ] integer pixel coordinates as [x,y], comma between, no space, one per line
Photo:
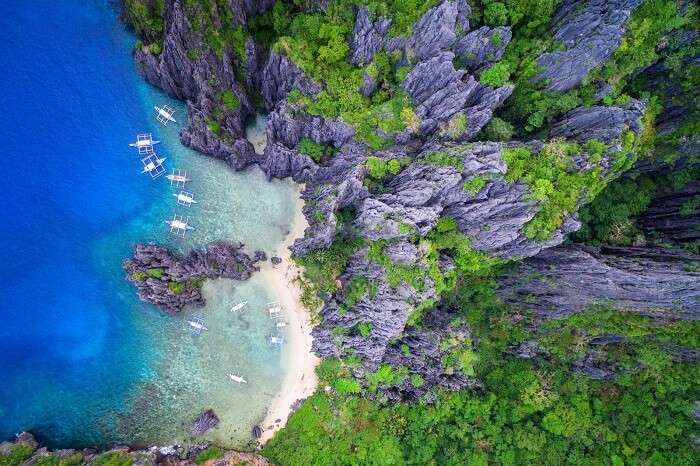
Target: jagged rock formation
[451,106]
[173,455]
[591,31]
[564,280]
[172,282]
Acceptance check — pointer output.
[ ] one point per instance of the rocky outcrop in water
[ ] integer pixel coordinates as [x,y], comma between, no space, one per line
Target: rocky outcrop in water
[561,281]
[204,423]
[172,281]
[26,451]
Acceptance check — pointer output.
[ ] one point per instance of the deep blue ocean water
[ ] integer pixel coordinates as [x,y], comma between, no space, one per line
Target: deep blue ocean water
[77,349]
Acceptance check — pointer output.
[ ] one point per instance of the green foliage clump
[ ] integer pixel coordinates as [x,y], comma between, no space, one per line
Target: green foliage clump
[387,376]
[457,126]
[114,458]
[553,182]
[155,272]
[182,287]
[214,126]
[498,129]
[211,453]
[318,152]
[15,455]
[146,17]
[230,100]
[690,206]
[379,168]
[417,381]
[357,288]
[346,386]
[73,459]
[445,160]
[364,329]
[138,276]
[608,219]
[326,431]
[177,287]
[496,75]
[476,183]
[323,266]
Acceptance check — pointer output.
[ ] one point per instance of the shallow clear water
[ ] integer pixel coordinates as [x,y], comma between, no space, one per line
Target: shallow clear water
[83,362]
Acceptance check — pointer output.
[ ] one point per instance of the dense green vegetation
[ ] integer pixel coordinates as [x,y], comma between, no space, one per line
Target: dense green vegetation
[317,43]
[529,411]
[114,458]
[146,16]
[318,152]
[209,454]
[15,455]
[531,107]
[73,459]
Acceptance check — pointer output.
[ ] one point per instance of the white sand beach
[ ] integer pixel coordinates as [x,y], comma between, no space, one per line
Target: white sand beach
[300,381]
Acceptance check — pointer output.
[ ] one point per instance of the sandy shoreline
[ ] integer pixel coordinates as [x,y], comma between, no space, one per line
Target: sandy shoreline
[300,380]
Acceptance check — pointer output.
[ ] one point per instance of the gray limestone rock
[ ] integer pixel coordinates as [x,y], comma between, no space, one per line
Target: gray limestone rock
[367,38]
[154,268]
[568,279]
[591,31]
[482,47]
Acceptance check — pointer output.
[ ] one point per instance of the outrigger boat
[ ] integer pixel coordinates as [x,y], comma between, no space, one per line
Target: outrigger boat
[178,178]
[179,225]
[275,340]
[197,324]
[239,306]
[144,140]
[237,378]
[274,310]
[165,114]
[185,199]
[152,164]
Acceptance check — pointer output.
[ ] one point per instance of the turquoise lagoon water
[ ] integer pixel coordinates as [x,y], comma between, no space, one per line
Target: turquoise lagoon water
[82,361]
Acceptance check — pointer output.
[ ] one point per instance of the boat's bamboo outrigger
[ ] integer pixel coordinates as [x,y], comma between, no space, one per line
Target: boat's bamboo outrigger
[153,165]
[197,324]
[179,225]
[144,140]
[165,114]
[178,178]
[274,310]
[239,307]
[185,199]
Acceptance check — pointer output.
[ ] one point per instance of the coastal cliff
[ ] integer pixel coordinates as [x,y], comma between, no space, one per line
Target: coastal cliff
[480,184]
[388,190]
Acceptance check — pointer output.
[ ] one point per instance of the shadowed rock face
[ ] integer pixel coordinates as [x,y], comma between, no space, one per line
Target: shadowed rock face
[564,280]
[153,269]
[591,31]
[675,214]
